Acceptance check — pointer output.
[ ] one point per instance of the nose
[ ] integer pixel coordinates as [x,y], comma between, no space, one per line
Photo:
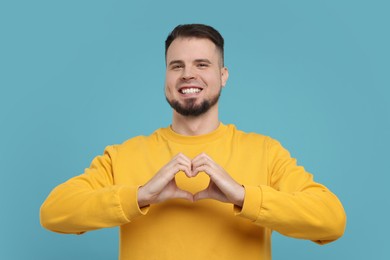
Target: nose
[188,74]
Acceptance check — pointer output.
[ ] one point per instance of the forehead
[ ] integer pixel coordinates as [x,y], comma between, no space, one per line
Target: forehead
[188,49]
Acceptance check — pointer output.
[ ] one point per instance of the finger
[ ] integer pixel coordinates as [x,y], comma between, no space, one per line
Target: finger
[201,155]
[202,168]
[165,175]
[204,163]
[183,163]
[175,165]
[201,163]
[201,159]
[182,158]
[184,168]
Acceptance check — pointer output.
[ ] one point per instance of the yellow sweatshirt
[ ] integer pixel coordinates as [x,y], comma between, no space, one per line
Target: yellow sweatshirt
[279,195]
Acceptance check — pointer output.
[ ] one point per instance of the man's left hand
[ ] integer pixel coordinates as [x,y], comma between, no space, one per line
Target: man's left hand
[222,186]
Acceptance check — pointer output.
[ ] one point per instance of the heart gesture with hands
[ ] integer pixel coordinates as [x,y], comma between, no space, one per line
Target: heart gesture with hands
[162,186]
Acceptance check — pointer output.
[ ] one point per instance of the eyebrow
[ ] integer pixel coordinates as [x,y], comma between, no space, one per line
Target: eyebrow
[175,61]
[196,61]
[203,60]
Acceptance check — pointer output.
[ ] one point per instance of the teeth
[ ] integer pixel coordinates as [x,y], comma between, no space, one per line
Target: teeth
[190,90]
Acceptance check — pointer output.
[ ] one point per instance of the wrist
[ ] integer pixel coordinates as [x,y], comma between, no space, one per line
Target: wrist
[141,198]
[240,196]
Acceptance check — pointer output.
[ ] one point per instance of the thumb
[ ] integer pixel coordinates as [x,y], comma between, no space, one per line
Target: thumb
[182,194]
[203,194]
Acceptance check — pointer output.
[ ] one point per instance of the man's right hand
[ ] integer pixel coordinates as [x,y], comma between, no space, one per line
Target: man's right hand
[163,186]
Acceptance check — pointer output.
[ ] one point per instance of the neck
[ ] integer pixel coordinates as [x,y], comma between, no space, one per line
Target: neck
[196,125]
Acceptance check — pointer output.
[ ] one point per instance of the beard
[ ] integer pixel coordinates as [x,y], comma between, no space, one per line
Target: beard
[190,108]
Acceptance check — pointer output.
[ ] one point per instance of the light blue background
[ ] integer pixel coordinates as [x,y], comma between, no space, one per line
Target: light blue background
[76,76]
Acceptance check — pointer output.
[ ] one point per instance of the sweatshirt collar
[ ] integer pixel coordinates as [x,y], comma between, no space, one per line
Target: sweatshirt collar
[171,135]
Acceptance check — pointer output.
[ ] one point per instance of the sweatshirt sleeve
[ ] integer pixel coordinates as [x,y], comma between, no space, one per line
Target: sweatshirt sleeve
[293,204]
[91,200]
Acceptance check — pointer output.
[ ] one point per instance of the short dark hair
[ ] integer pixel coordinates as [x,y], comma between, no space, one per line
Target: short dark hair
[201,31]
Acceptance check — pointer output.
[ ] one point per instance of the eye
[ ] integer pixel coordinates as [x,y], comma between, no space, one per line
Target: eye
[177,66]
[203,65]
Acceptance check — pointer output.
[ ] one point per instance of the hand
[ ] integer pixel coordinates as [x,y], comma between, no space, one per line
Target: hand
[163,186]
[222,187]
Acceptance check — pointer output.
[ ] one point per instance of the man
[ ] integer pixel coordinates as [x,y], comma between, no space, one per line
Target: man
[198,189]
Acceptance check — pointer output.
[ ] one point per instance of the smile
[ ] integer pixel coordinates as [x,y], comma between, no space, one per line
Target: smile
[190,90]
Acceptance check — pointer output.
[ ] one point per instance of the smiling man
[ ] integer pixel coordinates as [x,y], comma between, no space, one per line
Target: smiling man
[198,189]
[195,76]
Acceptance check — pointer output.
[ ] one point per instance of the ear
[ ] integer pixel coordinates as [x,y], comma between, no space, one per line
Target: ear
[224,76]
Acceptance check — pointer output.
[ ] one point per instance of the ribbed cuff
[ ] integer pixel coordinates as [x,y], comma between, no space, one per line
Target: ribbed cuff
[129,202]
[252,203]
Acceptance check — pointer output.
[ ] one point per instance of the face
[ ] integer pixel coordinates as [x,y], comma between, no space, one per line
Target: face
[194,76]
